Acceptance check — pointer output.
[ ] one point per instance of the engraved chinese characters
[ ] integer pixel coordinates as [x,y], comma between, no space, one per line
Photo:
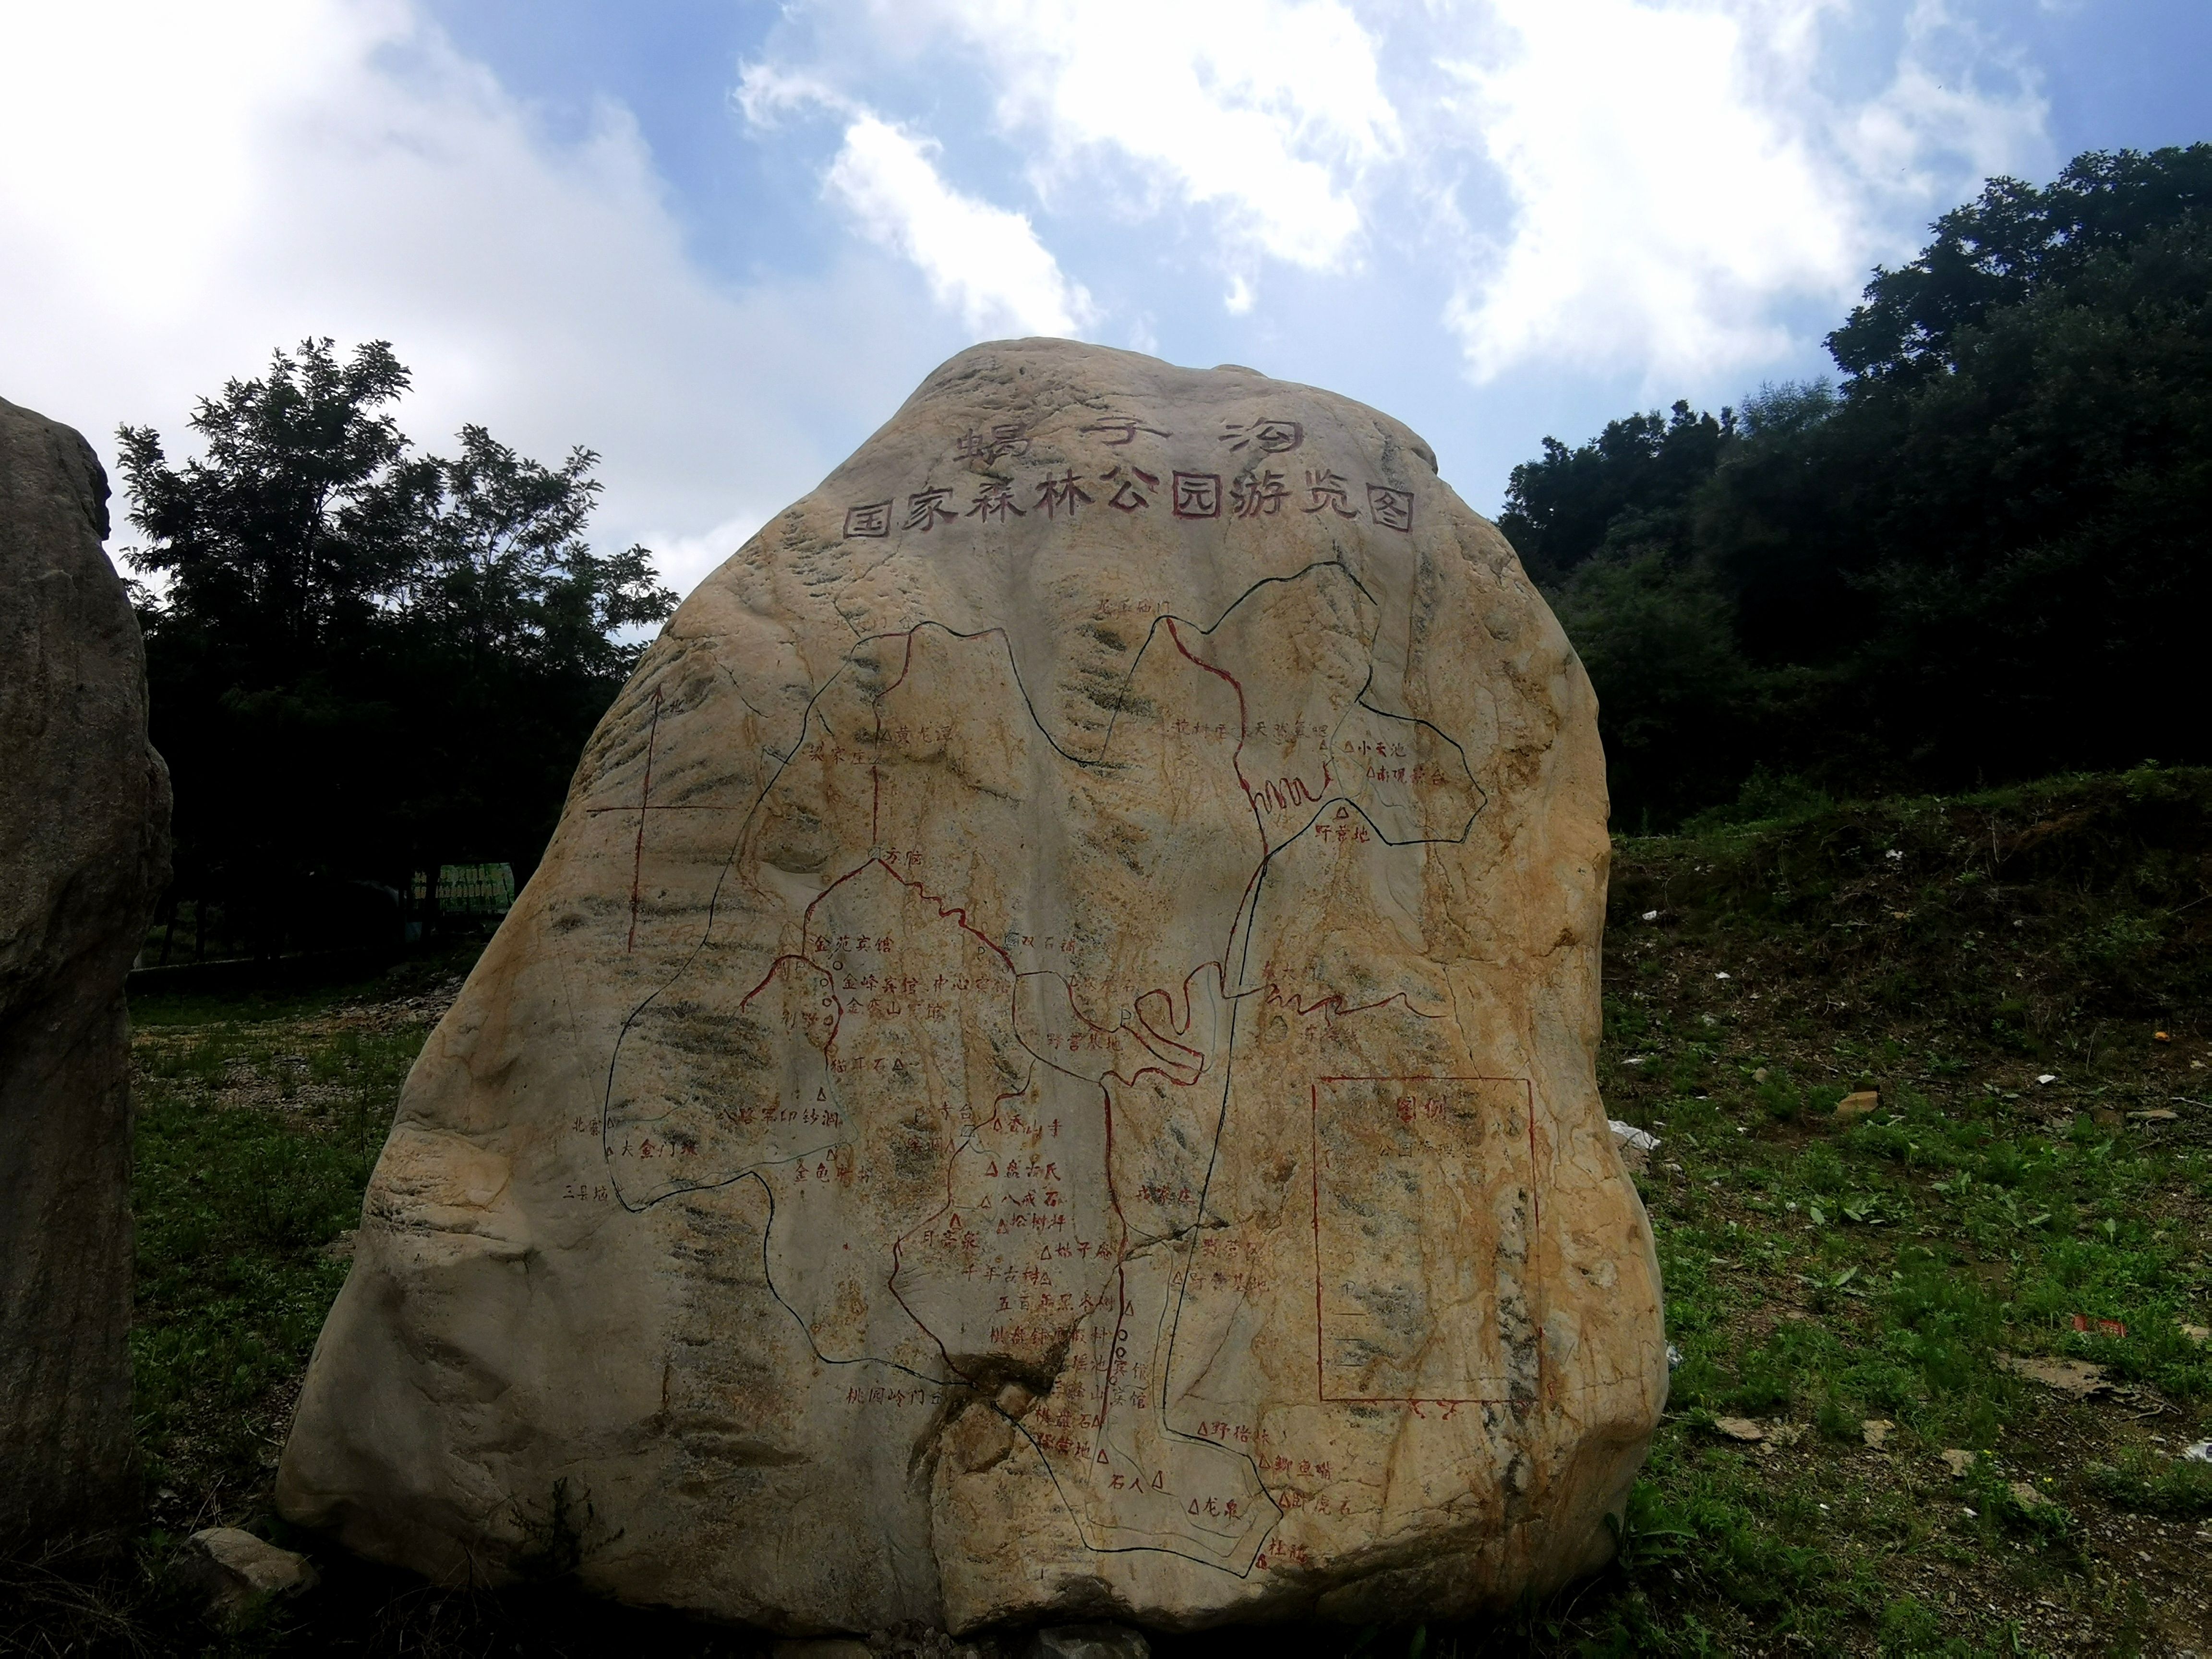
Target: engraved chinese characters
[1047,1065]
[1251,488]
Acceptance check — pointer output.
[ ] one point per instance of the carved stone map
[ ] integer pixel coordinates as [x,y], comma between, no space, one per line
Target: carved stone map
[1048,1068]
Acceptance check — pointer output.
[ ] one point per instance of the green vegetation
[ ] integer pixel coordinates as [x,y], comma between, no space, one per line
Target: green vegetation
[1982,557]
[1822,1273]
[364,662]
[238,1209]
[1940,1355]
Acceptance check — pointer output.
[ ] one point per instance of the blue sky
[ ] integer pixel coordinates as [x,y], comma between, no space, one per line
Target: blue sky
[719,242]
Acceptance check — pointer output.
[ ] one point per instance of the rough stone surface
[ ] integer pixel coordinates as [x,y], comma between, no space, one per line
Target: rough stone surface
[84,824]
[235,1570]
[1048,1072]
[1853,1107]
[1635,1146]
[1089,1641]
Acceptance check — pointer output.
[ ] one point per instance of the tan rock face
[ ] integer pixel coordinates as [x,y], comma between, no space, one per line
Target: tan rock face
[1048,1071]
[84,853]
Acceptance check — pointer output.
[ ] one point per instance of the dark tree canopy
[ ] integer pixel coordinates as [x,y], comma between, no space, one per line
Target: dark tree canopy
[2011,243]
[1987,554]
[1629,487]
[365,661]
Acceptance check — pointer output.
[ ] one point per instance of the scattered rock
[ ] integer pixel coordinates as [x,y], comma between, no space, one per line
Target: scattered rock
[930,994]
[1635,1146]
[2156,1115]
[1958,1463]
[2198,1332]
[2105,1117]
[1875,1431]
[1089,1641]
[2025,1494]
[84,854]
[1740,1428]
[2075,1377]
[237,1570]
[1759,1074]
[2048,1076]
[1853,1107]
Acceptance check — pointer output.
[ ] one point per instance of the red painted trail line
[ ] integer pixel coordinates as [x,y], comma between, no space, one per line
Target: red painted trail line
[1148,1036]
[1236,757]
[637,853]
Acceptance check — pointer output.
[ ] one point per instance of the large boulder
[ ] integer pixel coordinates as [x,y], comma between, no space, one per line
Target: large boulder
[84,854]
[1047,1069]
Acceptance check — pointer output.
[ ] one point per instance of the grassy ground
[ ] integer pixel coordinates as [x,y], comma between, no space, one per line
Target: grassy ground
[1998,969]
[2022,977]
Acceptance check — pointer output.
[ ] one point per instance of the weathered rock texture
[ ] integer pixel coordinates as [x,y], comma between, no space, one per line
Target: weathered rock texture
[1048,1071]
[238,1572]
[84,852]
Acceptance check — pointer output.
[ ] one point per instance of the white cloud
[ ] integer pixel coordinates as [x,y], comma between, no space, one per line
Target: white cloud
[1670,187]
[1679,181]
[1667,186]
[185,188]
[1265,109]
[982,260]
[1266,112]
[698,553]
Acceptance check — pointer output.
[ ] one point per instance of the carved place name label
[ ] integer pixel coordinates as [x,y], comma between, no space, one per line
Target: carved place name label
[1246,486]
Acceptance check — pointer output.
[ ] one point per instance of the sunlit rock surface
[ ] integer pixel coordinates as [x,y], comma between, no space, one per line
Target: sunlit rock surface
[1048,1071]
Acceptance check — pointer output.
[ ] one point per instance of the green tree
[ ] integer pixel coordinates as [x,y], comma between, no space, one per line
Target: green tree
[1627,490]
[2011,243]
[281,535]
[363,661]
[1983,556]
[1675,697]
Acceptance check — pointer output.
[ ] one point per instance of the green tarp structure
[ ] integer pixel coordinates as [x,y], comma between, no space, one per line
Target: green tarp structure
[469,890]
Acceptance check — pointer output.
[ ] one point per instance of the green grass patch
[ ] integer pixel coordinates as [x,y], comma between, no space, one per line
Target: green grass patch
[236,1205]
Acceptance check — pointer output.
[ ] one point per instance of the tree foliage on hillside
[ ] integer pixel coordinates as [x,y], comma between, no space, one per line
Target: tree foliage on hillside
[1982,557]
[365,661]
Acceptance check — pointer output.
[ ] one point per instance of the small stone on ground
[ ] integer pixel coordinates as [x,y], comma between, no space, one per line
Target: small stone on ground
[237,1570]
[1854,1107]
[2077,1377]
